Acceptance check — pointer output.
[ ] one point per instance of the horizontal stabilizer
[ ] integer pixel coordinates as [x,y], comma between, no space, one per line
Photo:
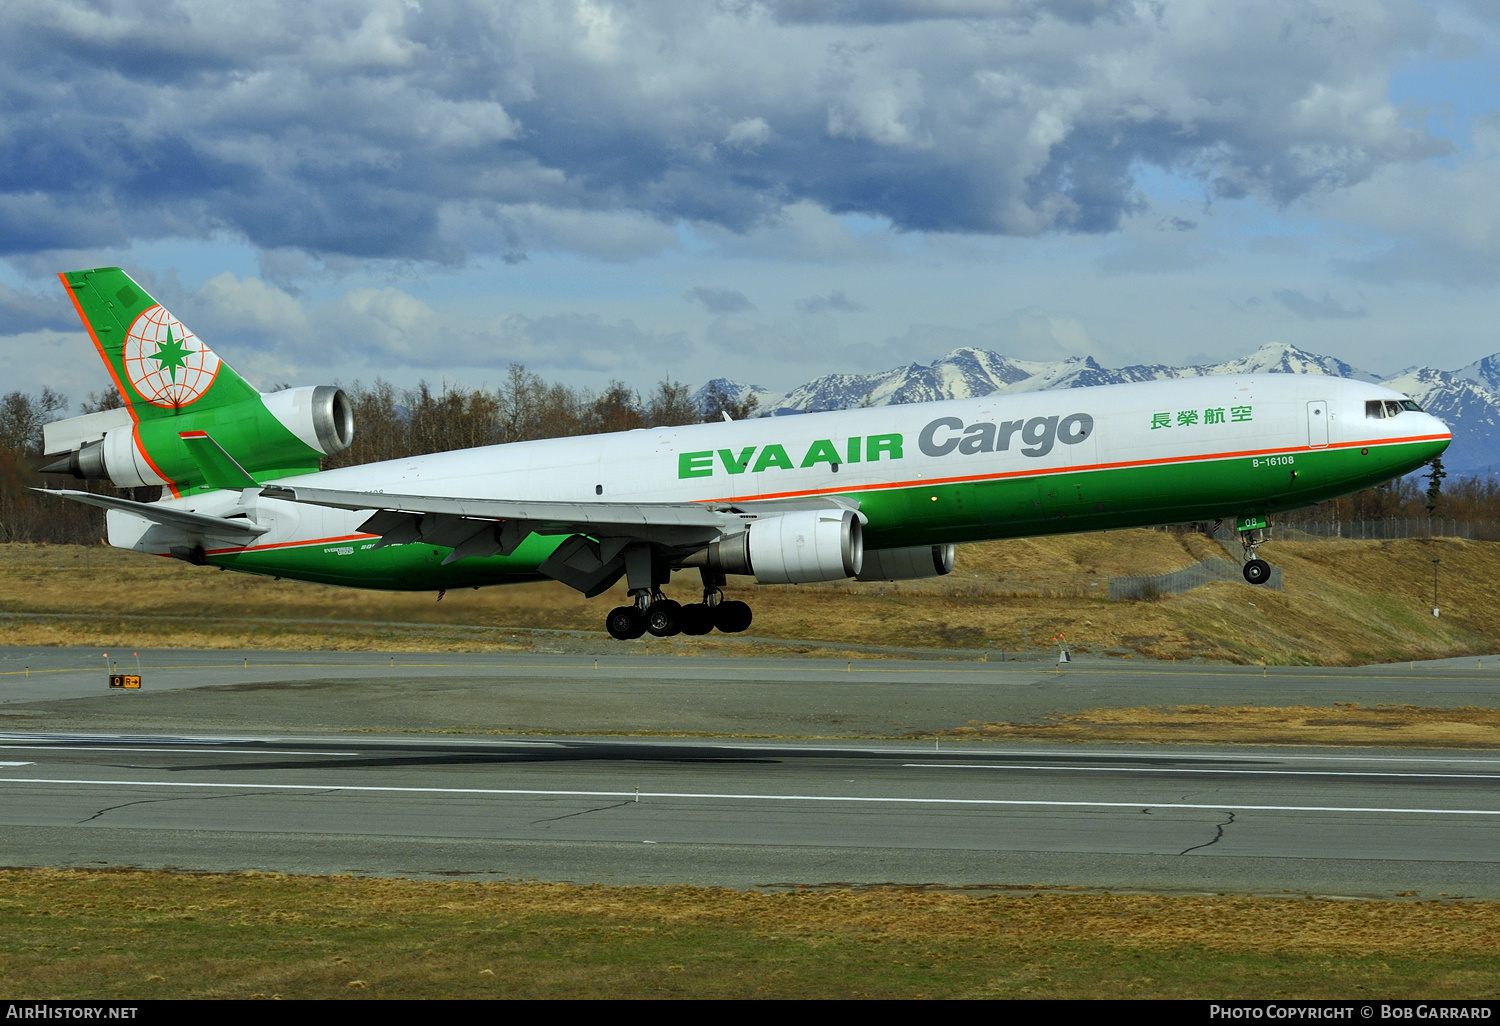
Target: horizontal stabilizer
[220,470]
[236,528]
[64,436]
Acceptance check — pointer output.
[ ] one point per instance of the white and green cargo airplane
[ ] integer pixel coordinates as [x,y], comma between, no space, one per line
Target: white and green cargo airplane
[871,494]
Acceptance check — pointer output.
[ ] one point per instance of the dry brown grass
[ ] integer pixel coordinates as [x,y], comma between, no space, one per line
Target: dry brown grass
[1345,603]
[127,935]
[1343,724]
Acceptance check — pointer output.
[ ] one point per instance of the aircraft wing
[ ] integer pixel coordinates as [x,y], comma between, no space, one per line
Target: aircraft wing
[483,527]
[236,528]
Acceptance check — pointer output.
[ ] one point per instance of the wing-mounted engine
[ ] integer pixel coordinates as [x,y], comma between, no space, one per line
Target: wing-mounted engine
[799,547]
[907,564]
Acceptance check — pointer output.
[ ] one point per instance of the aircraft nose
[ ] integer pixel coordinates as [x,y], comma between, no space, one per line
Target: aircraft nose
[1441,432]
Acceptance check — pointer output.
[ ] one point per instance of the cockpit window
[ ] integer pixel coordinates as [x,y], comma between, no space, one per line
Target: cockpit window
[1392,407]
[1375,410]
[1407,404]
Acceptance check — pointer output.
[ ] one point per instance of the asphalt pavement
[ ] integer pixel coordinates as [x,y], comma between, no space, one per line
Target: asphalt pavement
[503,767]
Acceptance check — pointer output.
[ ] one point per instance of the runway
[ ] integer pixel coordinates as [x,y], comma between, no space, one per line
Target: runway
[254,693]
[502,766]
[760,814]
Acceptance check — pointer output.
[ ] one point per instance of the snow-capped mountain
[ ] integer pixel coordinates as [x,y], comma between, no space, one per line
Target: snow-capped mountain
[1467,399]
[1485,373]
[1471,411]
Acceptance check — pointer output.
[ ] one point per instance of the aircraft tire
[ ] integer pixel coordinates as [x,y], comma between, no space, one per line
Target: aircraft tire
[732,617]
[625,623]
[1257,571]
[662,618]
[695,619]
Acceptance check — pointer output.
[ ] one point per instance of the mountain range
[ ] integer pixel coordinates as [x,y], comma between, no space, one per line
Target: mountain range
[1468,399]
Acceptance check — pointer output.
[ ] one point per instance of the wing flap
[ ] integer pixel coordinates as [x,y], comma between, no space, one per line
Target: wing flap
[545,517]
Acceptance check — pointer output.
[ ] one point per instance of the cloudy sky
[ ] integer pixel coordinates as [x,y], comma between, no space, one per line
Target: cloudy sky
[766,190]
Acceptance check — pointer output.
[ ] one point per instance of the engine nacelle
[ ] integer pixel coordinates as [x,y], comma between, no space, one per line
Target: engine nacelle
[320,415]
[802,547]
[275,431]
[907,564]
[116,457]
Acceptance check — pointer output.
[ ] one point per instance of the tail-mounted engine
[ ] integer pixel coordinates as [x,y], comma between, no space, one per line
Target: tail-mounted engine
[277,431]
[320,415]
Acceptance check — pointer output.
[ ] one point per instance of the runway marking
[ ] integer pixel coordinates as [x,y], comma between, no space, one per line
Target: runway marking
[1164,769]
[714,796]
[17,764]
[104,742]
[875,665]
[121,748]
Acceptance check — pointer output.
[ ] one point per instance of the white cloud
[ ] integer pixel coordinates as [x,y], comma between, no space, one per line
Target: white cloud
[376,130]
[748,133]
[231,304]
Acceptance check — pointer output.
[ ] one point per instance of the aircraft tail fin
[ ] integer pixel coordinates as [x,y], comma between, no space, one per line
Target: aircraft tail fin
[158,365]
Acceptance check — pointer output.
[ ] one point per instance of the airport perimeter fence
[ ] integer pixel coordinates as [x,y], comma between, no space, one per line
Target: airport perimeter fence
[1383,530]
[961,585]
[1178,581]
[1389,528]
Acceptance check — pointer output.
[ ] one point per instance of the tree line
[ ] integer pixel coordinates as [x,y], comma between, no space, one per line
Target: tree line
[395,423]
[391,423]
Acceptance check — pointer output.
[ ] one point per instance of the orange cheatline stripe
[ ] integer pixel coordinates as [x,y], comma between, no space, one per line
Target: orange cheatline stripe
[292,544]
[1046,471]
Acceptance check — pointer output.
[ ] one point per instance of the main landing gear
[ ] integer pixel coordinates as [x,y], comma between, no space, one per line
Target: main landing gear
[657,615]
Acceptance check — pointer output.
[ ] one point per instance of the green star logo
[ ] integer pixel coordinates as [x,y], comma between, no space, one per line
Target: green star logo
[170,355]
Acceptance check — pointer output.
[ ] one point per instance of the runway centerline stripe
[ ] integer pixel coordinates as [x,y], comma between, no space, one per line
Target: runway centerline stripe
[1175,769]
[713,796]
[199,751]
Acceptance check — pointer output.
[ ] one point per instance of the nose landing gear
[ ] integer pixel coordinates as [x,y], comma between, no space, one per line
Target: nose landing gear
[1255,570]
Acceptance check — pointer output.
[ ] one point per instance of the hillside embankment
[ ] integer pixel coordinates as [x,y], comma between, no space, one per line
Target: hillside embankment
[1344,603]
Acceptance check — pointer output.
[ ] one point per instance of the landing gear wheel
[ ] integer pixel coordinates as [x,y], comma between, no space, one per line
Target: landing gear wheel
[625,623]
[1257,571]
[662,618]
[732,617]
[695,619]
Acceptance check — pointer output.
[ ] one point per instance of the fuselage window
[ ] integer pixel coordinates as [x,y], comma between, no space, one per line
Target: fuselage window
[1375,410]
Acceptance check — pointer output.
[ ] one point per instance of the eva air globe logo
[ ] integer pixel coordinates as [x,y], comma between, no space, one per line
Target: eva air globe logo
[165,362]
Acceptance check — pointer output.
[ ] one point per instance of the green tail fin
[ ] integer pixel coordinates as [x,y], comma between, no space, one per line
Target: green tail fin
[159,366]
